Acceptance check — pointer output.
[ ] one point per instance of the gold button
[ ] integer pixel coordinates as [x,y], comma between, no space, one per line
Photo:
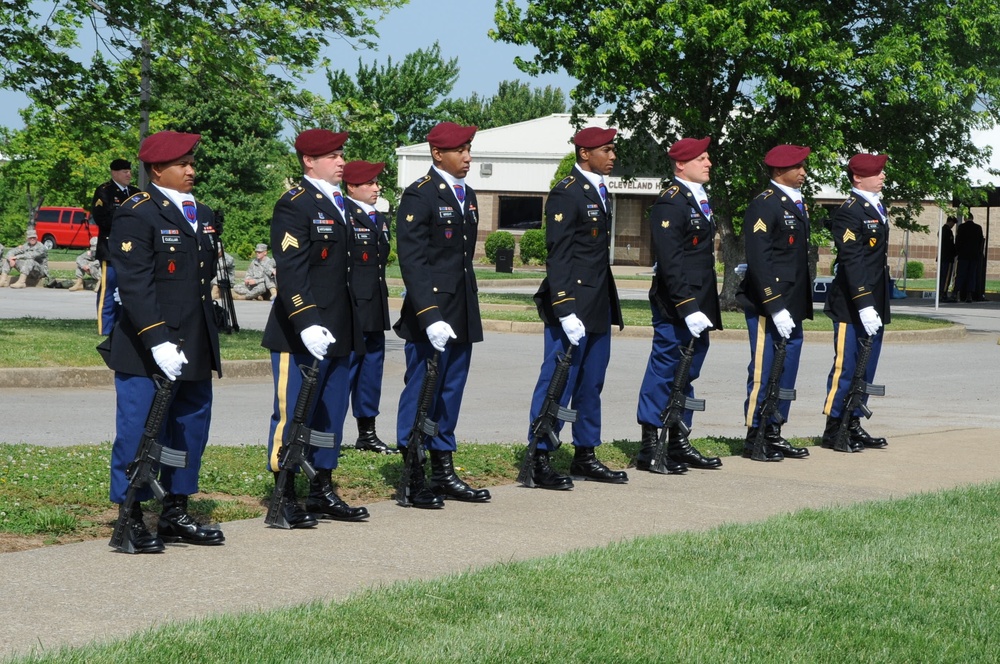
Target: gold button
[203,281]
[435,289]
[173,248]
[578,281]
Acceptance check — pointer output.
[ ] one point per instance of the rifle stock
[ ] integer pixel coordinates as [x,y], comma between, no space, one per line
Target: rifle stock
[773,395]
[295,447]
[673,414]
[551,412]
[855,395]
[422,426]
[149,457]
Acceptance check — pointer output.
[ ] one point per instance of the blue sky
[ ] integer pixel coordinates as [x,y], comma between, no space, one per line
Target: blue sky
[459,26]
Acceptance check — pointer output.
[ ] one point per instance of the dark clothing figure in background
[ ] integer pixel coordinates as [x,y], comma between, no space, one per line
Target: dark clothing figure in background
[684,300]
[776,290]
[947,268]
[436,228]
[370,253]
[578,302]
[163,246]
[858,302]
[969,242]
[313,316]
[108,197]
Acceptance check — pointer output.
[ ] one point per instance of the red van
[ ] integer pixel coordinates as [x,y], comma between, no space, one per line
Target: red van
[64,227]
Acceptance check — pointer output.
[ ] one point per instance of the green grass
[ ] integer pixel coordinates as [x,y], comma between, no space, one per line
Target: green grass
[912,580]
[38,342]
[60,494]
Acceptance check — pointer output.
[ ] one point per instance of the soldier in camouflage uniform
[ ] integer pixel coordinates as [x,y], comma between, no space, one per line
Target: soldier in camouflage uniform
[31,259]
[87,265]
[226,261]
[259,280]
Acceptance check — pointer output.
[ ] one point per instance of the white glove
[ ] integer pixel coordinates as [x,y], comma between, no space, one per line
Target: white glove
[870,319]
[783,321]
[574,329]
[438,334]
[697,323]
[169,359]
[317,339]
[116,296]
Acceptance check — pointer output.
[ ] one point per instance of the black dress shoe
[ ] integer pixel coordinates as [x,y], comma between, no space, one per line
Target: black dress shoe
[176,525]
[324,502]
[446,484]
[770,454]
[292,515]
[585,466]
[680,451]
[647,448]
[862,437]
[830,434]
[545,477]
[772,434]
[419,495]
[368,440]
[141,540]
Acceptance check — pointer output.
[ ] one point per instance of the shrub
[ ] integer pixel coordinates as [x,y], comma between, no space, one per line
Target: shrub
[533,246]
[498,240]
[914,270]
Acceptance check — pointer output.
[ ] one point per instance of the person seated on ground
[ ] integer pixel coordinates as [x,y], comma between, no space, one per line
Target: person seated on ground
[87,266]
[259,281]
[31,260]
[226,261]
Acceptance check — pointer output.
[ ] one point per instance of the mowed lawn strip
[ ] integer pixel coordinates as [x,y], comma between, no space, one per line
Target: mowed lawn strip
[911,580]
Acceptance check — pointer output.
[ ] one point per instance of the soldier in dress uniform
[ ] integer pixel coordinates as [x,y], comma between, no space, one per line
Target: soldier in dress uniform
[436,224]
[108,197]
[858,302]
[163,247]
[87,266]
[313,316]
[776,290]
[259,280]
[684,299]
[30,259]
[371,252]
[578,302]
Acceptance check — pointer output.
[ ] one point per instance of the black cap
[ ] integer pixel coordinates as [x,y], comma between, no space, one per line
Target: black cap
[121,165]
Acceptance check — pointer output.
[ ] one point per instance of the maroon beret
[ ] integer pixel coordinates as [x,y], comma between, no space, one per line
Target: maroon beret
[448,135]
[594,137]
[687,149]
[360,172]
[783,156]
[166,146]
[867,165]
[318,142]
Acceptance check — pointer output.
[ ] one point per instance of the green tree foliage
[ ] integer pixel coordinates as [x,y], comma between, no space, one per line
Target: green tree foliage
[513,102]
[902,77]
[497,240]
[564,168]
[532,246]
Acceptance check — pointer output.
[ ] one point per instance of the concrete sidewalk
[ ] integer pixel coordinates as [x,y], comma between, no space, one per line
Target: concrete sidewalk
[79,593]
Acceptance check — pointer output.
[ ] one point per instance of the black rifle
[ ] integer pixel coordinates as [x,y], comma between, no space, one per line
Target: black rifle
[773,394]
[295,447]
[222,280]
[149,457]
[855,395]
[544,425]
[422,426]
[673,414]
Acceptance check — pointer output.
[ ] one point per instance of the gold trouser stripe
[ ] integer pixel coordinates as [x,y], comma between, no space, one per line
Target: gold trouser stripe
[102,292]
[838,366]
[284,361]
[758,369]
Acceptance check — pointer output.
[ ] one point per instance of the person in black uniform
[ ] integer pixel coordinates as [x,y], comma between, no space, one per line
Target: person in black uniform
[776,291]
[436,227]
[163,246]
[969,241]
[313,316]
[858,302]
[578,302]
[945,270]
[108,197]
[370,253]
[684,299]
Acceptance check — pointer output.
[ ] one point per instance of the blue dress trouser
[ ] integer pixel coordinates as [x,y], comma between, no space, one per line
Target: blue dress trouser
[107,309]
[763,337]
[658,382]
[185,428]
[453,372]
[366,376]
[845,356]
[329,404]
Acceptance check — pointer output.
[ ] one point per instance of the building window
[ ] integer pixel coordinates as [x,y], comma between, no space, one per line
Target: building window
[519,213]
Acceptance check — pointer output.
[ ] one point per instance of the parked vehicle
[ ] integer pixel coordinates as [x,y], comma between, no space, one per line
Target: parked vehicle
[64,227]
